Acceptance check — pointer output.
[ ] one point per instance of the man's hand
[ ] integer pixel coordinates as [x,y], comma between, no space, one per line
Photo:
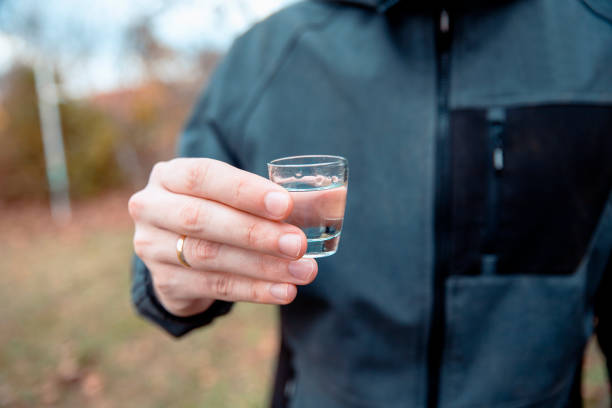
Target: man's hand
[237,244]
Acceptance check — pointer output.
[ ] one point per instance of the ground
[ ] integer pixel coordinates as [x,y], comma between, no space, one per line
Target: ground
[70,338]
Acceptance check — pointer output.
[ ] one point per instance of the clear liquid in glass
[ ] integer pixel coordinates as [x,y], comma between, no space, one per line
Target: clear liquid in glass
[318,210]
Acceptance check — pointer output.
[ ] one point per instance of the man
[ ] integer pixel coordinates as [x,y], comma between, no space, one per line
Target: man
[478,222]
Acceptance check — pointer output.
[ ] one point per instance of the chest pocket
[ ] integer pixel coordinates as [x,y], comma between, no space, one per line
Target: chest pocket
[528,187]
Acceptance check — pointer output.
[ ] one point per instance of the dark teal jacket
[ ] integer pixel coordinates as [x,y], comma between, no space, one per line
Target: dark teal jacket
[478,223]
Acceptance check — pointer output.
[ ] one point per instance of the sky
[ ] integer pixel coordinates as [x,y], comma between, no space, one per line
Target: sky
[186,25]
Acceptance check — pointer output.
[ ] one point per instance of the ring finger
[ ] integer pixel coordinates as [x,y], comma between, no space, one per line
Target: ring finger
[213,256]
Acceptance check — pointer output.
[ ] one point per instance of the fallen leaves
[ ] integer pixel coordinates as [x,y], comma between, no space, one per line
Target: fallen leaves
[71,377]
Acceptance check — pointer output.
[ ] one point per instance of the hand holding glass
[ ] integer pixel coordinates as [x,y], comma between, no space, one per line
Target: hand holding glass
[318,186]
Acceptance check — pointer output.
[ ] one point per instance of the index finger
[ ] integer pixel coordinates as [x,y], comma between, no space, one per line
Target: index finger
[221,182]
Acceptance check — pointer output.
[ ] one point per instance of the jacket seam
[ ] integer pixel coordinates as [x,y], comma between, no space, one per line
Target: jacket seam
[526,402]
[599,10]
[473,100]
[291,45]
[535,95]
[223,142]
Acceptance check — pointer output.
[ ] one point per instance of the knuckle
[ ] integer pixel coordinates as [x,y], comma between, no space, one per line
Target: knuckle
[197,173]
[157,170]
[141,243]
[254,235]
[204,250]
[239,190]
[141,247]
[135,205]
[190,216]
[223,286]
[255,293]
[267,266]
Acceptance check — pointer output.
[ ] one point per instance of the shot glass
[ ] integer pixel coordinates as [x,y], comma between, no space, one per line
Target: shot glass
[318,186]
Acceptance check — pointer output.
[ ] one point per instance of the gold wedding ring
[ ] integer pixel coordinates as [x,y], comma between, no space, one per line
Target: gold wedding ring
[180,244]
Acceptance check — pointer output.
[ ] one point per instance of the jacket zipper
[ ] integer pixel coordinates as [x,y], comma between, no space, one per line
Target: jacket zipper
[496,118]
[442,209]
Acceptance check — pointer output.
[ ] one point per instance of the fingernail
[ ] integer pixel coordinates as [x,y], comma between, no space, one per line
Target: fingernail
[301,269]
[279,291]
[276,203]
[290,244]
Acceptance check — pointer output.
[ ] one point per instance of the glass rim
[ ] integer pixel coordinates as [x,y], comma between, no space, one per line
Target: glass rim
[332,160]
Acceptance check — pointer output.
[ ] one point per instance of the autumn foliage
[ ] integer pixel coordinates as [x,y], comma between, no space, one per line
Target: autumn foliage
[111,140]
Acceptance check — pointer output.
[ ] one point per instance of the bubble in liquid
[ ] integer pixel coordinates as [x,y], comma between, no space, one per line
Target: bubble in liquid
[320,181]
[298,174]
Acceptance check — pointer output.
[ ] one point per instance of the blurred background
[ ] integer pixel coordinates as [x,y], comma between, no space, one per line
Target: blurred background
[92,94]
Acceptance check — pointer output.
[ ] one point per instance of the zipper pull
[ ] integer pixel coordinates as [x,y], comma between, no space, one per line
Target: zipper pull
[497,118]
[444,22]
[498,158]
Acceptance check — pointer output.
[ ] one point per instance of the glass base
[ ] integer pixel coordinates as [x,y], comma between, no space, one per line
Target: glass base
[321,247]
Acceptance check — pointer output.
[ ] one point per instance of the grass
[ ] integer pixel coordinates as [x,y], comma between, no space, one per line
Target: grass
[70,338]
